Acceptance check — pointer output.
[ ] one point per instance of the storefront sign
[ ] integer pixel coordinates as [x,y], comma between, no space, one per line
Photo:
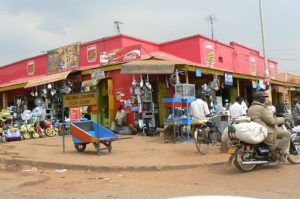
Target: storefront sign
[74,114]
[198,72]
[209,54]
[98,74]
[120,55]
[228,79]
[91,53]
[253,69]
[80,99]
[30,67]
[63,58]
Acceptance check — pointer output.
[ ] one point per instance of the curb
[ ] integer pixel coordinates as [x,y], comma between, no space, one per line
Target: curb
[53,165]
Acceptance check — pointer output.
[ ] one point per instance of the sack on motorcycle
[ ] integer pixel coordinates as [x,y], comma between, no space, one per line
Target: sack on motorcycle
[250,132]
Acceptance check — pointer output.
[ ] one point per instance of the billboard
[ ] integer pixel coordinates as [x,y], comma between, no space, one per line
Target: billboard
[63,58]
[120,55]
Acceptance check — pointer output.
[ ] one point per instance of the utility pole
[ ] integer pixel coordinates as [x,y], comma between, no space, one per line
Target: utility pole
[117,25]
[266,72]
[211,19]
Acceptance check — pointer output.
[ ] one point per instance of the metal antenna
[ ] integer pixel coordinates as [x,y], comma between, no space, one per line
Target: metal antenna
[211,19]
[117,25]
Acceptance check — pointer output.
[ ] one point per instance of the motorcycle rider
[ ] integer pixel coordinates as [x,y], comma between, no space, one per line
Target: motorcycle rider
[278,140]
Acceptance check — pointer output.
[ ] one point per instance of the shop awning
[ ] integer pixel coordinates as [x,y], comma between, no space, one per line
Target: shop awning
[149,66]
[16,84]
[48,79]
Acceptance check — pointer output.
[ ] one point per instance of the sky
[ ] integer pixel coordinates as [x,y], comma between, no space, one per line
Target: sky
[31,27]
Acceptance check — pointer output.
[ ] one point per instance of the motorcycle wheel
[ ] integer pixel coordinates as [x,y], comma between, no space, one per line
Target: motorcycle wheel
[294,156]
[201,141]
[243,167]
[80,147]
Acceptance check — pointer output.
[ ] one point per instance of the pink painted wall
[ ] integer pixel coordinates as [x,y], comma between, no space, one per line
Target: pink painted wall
[104,44]
[222,54]
[147,46]
[241,60]
[18,69]
[187,48]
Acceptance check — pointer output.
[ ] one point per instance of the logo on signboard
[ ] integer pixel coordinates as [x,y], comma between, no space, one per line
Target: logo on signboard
[120,55]
[253,69]
[30,67]
[92,53]
[209,54]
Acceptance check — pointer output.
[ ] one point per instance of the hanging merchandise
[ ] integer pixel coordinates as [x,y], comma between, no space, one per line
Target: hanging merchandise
[215,85]
[36,92]
[141,82]
[134,83]
[148,85]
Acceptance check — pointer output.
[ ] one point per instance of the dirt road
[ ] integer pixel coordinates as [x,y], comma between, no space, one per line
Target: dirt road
[268,182]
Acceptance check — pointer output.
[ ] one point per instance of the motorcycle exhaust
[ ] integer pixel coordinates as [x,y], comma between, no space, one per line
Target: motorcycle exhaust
[255,162]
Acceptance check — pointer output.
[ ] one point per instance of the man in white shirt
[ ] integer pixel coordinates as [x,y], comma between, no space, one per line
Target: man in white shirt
[199,108]
[236,109]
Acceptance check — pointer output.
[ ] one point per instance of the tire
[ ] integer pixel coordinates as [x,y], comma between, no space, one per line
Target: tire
[243,167]
[80,147]
[294,156]
[201,141]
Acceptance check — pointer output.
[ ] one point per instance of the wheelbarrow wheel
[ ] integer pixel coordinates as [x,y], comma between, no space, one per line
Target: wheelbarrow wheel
[80,147]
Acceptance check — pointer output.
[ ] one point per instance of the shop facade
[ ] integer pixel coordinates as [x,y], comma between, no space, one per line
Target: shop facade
[113,65]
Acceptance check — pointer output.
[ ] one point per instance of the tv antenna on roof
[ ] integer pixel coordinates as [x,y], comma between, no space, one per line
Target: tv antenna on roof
[211,19]
[117,25]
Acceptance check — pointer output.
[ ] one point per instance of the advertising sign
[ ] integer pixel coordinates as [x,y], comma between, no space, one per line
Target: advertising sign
[80,99]
[63,58]
[228,79]
[120,55]
[75,114]
[209,54]
[253,69]
[30,67]
[91,53]
[98,73]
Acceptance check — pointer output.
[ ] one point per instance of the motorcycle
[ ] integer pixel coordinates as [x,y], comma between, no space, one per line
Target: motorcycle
[247,157]
[205,132]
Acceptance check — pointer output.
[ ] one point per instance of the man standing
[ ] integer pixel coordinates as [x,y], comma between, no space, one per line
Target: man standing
[236,109]
[199,108]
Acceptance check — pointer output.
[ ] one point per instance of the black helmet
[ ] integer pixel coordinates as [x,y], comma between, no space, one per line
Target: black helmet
[260,96]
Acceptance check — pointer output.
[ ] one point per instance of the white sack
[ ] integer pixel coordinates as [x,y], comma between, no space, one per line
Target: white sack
[296,129]
[250,132]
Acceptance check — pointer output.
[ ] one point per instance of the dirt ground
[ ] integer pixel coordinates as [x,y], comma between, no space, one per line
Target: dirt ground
[182,172]
[274,182]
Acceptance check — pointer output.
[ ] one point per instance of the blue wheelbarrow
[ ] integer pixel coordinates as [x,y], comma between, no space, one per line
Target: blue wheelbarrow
[86,132]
